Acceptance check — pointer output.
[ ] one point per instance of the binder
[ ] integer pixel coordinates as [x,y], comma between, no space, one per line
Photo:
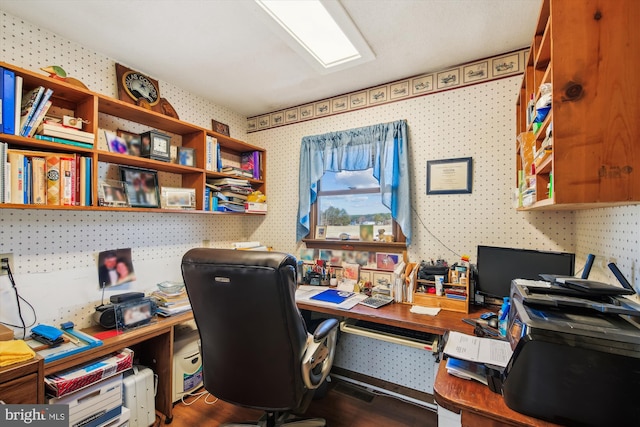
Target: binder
[8,97]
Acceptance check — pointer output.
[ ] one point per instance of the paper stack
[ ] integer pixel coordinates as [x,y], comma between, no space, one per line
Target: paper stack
[171,303]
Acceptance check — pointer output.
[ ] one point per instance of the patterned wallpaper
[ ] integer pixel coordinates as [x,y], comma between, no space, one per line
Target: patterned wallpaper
[425,84]
[55,252]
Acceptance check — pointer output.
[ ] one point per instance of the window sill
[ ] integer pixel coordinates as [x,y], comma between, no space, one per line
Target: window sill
[355,245]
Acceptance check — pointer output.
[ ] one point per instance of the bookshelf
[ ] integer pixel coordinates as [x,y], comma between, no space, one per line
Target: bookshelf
[101,111]
[584,153]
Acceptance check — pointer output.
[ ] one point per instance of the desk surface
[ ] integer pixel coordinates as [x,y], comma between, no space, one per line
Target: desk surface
[480,407]
[395,314]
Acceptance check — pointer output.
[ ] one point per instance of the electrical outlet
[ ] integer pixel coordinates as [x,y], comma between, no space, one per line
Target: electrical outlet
[10,258]
[206,243]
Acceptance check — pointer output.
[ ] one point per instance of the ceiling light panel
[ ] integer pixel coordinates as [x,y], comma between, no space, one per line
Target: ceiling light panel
[323,30]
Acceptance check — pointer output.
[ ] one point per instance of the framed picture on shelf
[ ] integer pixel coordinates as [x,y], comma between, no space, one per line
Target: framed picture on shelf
[387,262]
[112,193]
[141,186]
[186,156]
[116,144]
[133,142]
[178,198]
[220,127]
[321,232]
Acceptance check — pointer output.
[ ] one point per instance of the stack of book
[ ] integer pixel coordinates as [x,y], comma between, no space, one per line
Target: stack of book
[231,193]
[171,303]
[236,171]
[56,132]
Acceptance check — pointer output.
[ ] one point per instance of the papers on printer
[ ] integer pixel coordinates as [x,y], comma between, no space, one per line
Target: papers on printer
[477,349]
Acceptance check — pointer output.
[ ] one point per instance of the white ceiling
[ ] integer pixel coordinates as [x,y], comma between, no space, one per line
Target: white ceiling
[225,51]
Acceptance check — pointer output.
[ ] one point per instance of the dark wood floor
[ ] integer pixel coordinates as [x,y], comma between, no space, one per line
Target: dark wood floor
[344,405]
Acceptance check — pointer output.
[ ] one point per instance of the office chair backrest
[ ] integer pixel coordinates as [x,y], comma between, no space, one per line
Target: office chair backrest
[252,334]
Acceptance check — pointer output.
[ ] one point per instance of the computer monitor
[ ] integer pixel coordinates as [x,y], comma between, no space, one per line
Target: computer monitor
[498,266]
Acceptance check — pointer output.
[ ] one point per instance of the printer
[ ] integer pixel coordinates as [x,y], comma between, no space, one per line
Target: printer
[576,360]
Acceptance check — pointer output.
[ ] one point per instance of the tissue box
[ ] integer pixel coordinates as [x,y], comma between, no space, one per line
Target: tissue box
[83,376]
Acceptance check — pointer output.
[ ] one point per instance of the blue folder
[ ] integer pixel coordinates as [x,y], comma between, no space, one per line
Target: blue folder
[332,295]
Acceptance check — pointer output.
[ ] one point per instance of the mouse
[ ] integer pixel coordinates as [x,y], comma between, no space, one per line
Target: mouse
[493,322]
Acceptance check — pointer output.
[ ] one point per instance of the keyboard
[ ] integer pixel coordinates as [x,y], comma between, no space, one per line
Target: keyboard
[376,301]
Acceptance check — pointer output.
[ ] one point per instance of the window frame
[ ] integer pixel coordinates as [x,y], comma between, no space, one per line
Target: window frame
[398,245]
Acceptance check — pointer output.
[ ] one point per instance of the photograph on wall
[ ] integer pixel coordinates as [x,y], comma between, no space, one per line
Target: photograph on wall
[115,267]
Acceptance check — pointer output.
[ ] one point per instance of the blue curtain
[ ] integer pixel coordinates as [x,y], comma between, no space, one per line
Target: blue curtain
[382,147]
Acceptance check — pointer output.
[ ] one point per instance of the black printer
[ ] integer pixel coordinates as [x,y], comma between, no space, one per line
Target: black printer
[576,360]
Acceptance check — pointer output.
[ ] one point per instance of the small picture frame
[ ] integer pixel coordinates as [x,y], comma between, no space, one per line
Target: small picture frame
[366,232]
[386,261]
[186,156]
[116,144]
[178,198]
[220,127]
[321,232]
[134,148]
[141,186]
[155,145]
[112,193]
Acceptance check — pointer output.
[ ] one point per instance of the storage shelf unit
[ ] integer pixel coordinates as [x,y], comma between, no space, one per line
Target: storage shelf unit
[427,299]
[90,106]
[587,50]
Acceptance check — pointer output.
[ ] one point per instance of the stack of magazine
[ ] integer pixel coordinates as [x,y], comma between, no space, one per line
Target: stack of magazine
[171,303]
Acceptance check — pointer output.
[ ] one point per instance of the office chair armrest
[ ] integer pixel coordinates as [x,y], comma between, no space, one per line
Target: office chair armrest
[323,329]
[318,355]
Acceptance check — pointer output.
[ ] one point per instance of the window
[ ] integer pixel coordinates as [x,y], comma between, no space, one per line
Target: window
[348,199]
[379,150]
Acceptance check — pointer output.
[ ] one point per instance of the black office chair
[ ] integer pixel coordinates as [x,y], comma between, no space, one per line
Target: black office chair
[256,351]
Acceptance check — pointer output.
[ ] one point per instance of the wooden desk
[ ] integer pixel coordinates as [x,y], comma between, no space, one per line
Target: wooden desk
[152,346]
[478,406]
[399,315]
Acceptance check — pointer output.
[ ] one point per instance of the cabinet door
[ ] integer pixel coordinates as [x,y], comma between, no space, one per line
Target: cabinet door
[22,390]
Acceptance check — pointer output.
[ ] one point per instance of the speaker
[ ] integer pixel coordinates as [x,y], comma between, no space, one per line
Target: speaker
[105,316]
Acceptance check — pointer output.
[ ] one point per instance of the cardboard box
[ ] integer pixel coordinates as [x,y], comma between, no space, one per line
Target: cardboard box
[83,376]
[6,334]
[254,207]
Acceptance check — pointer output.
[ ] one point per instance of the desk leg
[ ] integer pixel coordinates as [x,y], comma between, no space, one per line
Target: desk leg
[157,353]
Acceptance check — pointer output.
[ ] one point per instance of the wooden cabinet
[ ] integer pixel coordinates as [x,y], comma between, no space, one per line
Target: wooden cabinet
[23,383]
[588,52]
[455,296]
[103,112]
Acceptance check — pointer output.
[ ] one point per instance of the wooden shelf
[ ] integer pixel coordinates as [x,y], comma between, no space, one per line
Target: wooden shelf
[89,105]
[594,105]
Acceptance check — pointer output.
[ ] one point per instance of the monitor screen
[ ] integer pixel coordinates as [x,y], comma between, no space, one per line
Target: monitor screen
[498,266]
